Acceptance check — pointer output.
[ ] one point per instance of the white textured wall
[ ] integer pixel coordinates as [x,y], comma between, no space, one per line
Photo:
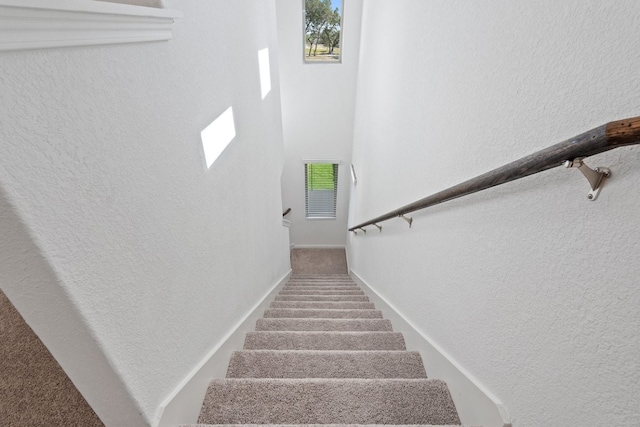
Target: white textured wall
[126,256]
[529,286]
[317,115]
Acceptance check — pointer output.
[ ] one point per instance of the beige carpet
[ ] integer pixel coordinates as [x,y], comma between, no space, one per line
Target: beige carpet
[324,363]
[318,261]
[34,390]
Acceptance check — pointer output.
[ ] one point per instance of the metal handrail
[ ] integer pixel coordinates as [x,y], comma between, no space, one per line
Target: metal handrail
[570,153]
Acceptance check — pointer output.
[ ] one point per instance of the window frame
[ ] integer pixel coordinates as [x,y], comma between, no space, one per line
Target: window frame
[336,178]
[304,38]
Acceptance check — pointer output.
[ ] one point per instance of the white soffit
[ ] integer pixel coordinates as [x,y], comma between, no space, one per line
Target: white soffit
[36,24]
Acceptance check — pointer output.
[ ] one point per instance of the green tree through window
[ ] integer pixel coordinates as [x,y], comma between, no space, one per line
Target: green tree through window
[322,30]
[321,190]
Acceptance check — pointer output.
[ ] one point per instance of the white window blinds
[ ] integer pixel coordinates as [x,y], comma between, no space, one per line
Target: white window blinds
[321,190]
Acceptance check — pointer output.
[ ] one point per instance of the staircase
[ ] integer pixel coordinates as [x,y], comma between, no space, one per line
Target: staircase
[323,354]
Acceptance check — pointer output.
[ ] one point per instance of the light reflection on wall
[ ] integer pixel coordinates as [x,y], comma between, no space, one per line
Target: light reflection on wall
[265,72]
[217,136]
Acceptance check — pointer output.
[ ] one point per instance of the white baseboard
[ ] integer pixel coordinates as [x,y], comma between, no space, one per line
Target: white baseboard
[346,255]
[476,405]
[183,405]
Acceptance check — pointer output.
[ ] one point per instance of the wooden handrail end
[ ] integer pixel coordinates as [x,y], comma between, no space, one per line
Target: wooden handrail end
[623,132]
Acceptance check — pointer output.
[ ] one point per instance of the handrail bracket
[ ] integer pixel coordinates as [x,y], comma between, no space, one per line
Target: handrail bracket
[408,219]
[596,177]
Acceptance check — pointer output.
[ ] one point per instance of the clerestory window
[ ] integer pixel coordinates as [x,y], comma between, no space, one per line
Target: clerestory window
[322,31]
[321,190]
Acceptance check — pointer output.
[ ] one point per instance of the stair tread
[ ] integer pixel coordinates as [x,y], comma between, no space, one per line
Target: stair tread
[340,305]
[309,324]
[290,288]
[323,340]
[321,292]
[319,425]
[325,364]
[321,277]
[359,401]
[352,313]
[321,282]
[322,298]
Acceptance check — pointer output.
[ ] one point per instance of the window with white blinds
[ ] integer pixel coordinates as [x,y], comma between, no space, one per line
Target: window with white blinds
[321,189]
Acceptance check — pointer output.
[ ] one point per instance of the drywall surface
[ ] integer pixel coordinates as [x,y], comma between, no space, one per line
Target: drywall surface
[529,286]
[317,117]
[135,259]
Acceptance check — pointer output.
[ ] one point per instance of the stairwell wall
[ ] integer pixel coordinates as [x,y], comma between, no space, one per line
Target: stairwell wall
[126,255]
[529,286]
[318,102]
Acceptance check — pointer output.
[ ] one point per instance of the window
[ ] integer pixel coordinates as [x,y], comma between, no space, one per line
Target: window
[321,189]
[322,31]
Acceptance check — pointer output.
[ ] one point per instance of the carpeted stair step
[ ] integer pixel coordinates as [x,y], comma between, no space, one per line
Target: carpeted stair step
[322,356]
[323,340]
[363,298]
[321,292]
[319,278]
[320,275]
[318,283]
[323,313]
[344,305]
[325,364]
[275,324]
[312,425]
[320,288]
[335,401]
[315,290]
[321,281]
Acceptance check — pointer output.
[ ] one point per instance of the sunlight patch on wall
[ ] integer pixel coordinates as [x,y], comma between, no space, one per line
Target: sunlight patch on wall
[265,72]
[217,136]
